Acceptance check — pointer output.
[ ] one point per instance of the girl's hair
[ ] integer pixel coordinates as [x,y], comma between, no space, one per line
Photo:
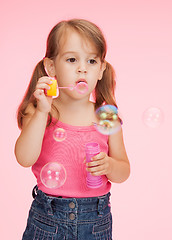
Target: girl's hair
[104,91]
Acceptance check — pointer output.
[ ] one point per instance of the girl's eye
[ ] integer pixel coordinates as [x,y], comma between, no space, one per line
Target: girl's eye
[71,60]
[92,61]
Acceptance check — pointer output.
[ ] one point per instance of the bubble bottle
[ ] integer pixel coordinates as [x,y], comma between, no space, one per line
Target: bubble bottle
[92,149]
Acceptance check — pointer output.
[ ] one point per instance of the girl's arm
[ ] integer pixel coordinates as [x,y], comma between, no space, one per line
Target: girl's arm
[119,166]
[116,166]
[29,143]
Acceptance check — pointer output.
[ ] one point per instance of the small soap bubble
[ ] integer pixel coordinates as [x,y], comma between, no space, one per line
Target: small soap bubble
[82,87]
[108,122]
[59,134]
[53,175]
[153,117]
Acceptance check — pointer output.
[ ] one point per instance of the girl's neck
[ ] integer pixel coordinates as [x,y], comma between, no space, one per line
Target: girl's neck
[71,104]
[78,112]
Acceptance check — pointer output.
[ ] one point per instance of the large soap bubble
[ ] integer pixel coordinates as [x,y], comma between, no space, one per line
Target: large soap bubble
[108,121]
[53,175]
[153,117]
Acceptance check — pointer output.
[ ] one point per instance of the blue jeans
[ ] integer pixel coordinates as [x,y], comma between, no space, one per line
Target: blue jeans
[59,218]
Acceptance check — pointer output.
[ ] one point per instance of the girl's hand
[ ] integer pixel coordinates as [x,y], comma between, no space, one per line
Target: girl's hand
[101,164]
[43,102]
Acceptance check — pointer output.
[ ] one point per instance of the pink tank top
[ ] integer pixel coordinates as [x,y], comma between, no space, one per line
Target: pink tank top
[70,152]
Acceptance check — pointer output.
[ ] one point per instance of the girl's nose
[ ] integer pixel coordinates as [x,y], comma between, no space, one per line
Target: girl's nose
[82,68]
[82,71]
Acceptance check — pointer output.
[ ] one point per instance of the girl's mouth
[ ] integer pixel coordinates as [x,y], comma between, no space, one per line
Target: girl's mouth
[82,86]
[81,80]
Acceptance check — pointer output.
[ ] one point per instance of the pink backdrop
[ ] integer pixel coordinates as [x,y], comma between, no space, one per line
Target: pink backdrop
[139,40]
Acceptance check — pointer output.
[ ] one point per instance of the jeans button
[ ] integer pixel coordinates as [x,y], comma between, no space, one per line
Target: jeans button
[72,205]
[72,216]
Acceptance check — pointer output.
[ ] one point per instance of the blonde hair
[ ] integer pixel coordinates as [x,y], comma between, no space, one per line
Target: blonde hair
[104,91]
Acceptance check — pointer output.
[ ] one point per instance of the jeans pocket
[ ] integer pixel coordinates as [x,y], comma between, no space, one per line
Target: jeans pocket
[103,229]
[41,234]
[43,230]
[40,227]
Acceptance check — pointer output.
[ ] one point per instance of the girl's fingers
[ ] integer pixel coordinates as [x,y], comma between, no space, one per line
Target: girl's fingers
[38,93]
[43,102]
[42,86]
[95,163]
[100,173]
[45,79]
[96,169]
[43,83]
[101,155]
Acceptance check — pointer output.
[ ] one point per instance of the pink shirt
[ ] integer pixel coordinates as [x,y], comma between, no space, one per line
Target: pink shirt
[71,153]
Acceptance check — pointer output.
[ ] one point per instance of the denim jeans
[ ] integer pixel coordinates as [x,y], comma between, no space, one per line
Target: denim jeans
[59,218]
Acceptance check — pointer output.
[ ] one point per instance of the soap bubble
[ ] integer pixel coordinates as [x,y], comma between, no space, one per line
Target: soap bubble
[82,87]
[59,134]
[53,175]
[107,127]
[108,122]
[153,117]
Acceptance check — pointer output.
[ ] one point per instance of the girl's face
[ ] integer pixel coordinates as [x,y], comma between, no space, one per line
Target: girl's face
[77,61]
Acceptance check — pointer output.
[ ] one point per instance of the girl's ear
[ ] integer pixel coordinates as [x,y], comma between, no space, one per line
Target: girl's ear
[49,67]
[103,67]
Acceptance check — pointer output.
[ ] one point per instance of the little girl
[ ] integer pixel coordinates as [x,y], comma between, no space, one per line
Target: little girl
[75,53]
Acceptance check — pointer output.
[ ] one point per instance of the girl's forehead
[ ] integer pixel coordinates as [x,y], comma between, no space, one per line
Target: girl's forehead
[73,40]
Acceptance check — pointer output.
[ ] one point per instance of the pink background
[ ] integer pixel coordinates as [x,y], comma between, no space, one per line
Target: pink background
[139,37]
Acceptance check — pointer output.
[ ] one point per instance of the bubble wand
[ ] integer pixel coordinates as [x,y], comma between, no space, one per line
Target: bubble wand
[81,87]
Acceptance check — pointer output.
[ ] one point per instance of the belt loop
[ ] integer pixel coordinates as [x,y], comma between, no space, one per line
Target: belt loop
[34,191]
[100,206]
[49,206]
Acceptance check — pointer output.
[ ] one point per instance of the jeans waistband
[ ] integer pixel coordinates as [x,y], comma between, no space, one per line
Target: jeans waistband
[65,204]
